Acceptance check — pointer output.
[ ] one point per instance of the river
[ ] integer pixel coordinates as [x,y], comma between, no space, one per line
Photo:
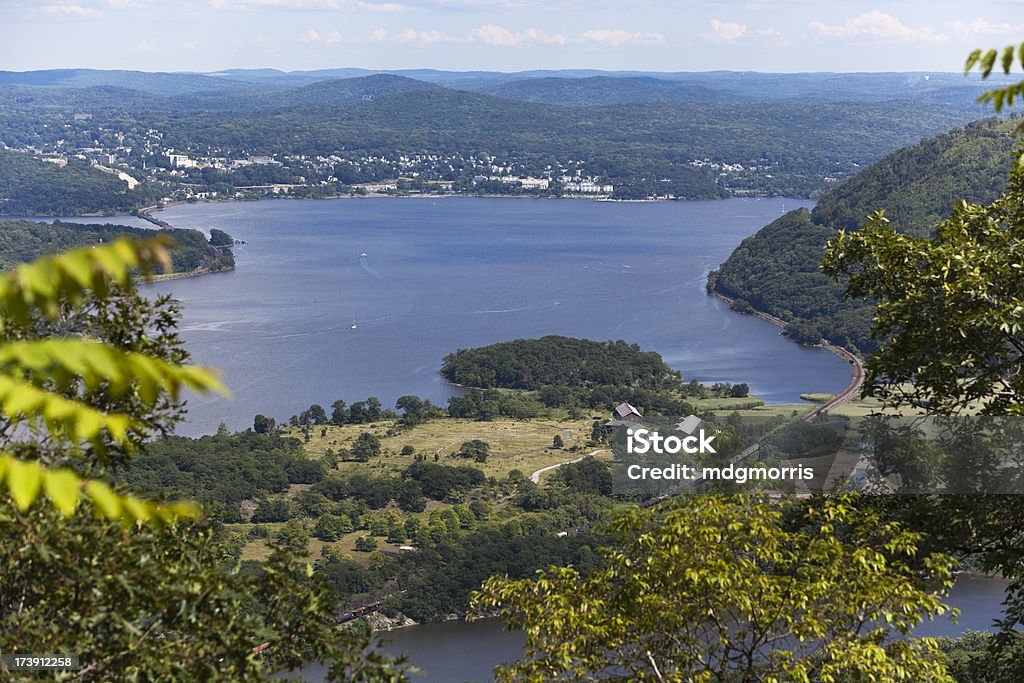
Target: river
[343,299]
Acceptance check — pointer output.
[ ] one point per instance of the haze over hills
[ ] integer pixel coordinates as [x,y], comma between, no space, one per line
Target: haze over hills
[534,85]
[777,269]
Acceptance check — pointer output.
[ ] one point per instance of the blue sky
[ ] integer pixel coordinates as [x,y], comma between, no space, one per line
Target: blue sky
[504,35]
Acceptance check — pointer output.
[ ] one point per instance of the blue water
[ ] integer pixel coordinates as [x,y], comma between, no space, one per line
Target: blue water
[443,274]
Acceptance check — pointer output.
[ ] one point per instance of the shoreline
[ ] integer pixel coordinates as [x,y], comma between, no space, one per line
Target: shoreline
[145,213]
[198,272]
[855,363]
[378,195]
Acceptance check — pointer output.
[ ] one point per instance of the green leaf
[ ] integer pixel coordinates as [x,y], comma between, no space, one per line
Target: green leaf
[972,59]
[1007,61]
[24,479]
[42,284]
[63,488]
[988,62]
[105,500]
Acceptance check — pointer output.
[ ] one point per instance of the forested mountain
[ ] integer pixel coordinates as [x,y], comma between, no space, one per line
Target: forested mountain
[23,241]
[345,91]
[742,85]
[776,270]
[633,143]
[604,90]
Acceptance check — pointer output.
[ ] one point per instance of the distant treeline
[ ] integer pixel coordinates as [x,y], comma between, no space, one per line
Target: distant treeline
[22,241]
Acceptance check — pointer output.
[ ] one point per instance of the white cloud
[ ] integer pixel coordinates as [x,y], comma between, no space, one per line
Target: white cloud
[313,36]
[731,32]
[537,36]
[127,4]
[408,36]
[727,31]
[616,37]
[878,25]
[488,34]
[68,10]
[412,37]
[147,44]
[383,7]
[492,34]
[270,4]
[983,27]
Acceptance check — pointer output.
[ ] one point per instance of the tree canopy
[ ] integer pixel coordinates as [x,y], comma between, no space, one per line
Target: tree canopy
[950,307]
[136,588]
[717,588]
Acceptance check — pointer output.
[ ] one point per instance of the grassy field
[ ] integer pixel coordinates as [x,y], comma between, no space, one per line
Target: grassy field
[817,398]
[766,411]
[726,404]
[523,445]
[258,548]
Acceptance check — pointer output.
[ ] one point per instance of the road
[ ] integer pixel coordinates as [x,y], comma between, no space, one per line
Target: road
[535,477]
[851,390]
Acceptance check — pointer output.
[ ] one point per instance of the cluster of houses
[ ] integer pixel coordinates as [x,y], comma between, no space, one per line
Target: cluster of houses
[627,415]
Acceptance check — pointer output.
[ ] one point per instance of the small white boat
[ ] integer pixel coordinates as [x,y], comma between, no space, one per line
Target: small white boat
[363,255]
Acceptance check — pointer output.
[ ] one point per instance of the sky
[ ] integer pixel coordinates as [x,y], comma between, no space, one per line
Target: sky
[504,35]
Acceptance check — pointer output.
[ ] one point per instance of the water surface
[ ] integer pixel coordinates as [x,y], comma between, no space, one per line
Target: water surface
[307,318]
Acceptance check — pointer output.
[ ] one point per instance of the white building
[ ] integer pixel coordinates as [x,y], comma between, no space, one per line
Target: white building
[180,161]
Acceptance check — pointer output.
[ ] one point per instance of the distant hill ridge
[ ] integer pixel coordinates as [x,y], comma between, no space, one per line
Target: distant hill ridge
[584,87]
[777,269]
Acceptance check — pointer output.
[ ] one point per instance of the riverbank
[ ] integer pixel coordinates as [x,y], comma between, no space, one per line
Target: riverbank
[145,214]
[198,272]
[856,365]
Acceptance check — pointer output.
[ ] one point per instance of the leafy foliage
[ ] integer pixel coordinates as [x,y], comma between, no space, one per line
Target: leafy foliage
[950,306]
[985,60]
[47,385]
[163,603]
[713,585]
[159,601]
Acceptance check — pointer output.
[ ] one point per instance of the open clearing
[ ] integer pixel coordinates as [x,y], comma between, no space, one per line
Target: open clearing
[523,445]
